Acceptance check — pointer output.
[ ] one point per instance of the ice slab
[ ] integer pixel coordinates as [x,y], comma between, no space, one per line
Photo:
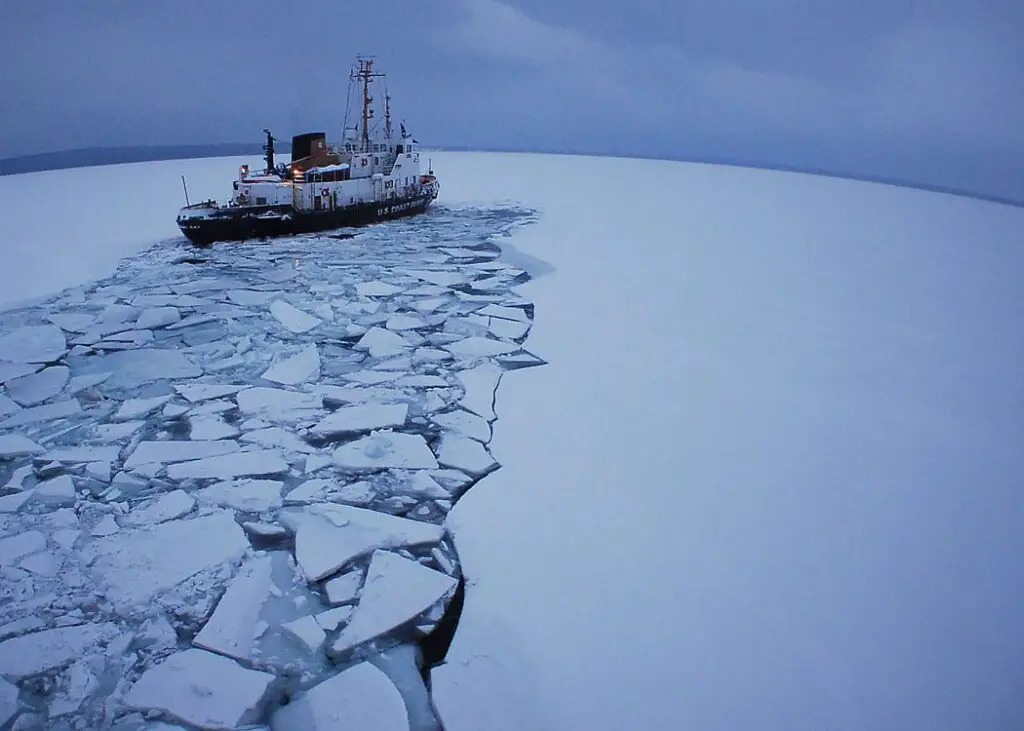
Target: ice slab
[250,496]
[203,689]
[73,322]
[39,652]
[361,697]
[137,408]
[106,433]
[299,368]
[396,591]
[480,347]
[384,450]
[210,428]
[36,388]
[307,632]
[330,619]
[335,395]
[441,278]
[329,536]
[76,683]
[480,383]
[420,484]
[8,701]
[401,322]
[175,451]
[81,383]
[275,436]
[58,491]
[232,629]
[157,317]
[33,344]
[207,284]
[254,463]
[169,506]
[250,298]
[15,547]
[46,412]
[377,289]
[133,566]
[7,406]
[16,445]
[464,423]
[382,343]
[402,665]
[344,589]
[197,392]
[307,492]
[82,454]
[9,371]
[370,378]
[106,527]
[361,418]
[506,313]
[277,403]
[292,318]
[139,366]
[508,329]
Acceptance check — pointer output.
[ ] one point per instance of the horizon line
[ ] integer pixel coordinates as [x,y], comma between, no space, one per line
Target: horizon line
[49,161]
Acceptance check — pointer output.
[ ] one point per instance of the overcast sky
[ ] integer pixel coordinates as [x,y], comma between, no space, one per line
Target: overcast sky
[929,91]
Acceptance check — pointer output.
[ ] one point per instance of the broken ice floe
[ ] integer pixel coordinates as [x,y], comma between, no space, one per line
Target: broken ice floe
[240,476]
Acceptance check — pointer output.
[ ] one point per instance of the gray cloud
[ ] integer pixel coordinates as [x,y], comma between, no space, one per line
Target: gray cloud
[923,92]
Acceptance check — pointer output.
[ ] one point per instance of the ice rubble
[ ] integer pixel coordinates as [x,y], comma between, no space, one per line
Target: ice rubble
[131,463]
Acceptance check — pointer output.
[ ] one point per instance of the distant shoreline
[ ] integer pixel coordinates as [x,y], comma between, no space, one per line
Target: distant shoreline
[94,156]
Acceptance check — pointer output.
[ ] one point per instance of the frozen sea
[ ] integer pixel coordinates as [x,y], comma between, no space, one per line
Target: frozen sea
[766,474]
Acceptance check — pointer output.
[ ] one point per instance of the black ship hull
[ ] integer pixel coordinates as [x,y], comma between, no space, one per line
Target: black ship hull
[240,224]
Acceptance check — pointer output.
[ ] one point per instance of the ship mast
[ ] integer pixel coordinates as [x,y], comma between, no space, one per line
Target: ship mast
[365,73]
[387,114]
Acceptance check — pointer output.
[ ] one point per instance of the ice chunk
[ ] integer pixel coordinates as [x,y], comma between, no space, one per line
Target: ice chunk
[116,432]
[358,493]
[80,383]
[442,278]
[77,683]
[18,477]
[13,503]
[42,564]
[83,454]
[15,445]
[396,591]
[292,317]
[361,697]
[464,423]
[157,317]
[421,382]
[38,387]
[480,347]
[106,527]
[21,544]
[175,451]
[308,491]
[139,366]
[265,530]
[329,536]
[58,491]
[330,619]
[361,418]
[137,408]
[203,689]
[250,496]
[72,322]
[382,343]
[46,412]
[402,665]
[166,507]
[463,453]
[98,470]
[231,630]
[299,368]
[508,329]
[423,485]
[39,652]
[8,701]
[136,565]
[7,406]
[385,450]
[338,395]
[277,437]
[197,392]
[250,298]
[277,403]
[480,383]
[307,632]
[370,378]
[207,284]
[506,313]
[210,428]
[377,289]
[401,322]
[33,344]
[253,463]
[344,589]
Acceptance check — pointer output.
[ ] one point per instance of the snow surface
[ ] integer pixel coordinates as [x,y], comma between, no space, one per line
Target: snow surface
[767,477]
